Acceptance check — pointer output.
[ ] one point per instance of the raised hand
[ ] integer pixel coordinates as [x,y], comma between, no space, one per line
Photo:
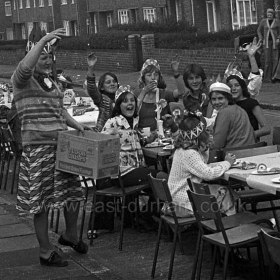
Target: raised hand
[175,63]
[254,46]
[91,60]
[55,34]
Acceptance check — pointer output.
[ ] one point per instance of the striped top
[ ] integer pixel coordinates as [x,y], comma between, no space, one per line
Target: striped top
[40,112]
[102,101]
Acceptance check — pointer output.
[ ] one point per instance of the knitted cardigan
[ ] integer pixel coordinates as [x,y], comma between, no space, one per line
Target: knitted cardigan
[191,164]
[265,29]
[40,112]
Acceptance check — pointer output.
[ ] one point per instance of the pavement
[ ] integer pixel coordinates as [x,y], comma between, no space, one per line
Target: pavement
[19,248]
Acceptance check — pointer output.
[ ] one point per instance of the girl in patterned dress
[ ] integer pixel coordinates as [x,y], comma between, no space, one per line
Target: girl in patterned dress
[39,104]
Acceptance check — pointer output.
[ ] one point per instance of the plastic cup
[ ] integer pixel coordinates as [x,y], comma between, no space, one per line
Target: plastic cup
[160,127]
[70,111]
[147,131]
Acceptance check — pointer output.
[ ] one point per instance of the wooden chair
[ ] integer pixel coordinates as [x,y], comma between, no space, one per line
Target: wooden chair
[270,248]
[243,236]
[176,224]
[254,196]
[117,192]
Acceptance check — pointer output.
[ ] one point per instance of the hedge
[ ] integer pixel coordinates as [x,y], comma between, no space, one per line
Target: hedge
[115,38]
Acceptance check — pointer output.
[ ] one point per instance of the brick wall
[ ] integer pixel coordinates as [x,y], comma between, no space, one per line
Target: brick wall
[214,60]
[107,60]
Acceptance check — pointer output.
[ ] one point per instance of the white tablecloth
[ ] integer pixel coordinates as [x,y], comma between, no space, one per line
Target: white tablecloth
[89,118]
[261,182]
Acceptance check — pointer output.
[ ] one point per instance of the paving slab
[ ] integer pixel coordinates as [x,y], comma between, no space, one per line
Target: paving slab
[8,219]
[18,229]
[2,211]
[18,243]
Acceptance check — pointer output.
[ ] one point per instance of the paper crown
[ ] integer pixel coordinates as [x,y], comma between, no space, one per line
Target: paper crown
[121,90]
[148,62]
[192,134]
[4,86]
[219,87]
[232,71]
[35,36]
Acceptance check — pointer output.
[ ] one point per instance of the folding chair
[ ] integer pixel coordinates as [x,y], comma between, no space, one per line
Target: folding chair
[177,225]
[120,192]
[270,249]
[10,157]
[232,221]
[243,236]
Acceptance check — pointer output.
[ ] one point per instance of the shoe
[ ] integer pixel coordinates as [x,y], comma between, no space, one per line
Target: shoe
[54,260]
[92,234]
[80,247]
[239,258]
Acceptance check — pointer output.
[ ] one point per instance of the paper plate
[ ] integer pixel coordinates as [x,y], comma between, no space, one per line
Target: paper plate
[155,145]
[244,165]
[276,180]
[265,172]
[168,147]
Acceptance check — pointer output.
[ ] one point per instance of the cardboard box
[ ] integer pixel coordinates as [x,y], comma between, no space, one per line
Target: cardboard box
[93,155]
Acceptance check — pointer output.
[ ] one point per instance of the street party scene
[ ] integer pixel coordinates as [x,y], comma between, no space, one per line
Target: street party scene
[152,176]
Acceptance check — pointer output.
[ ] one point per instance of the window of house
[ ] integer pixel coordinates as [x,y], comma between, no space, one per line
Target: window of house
[123,16]
[66,25]
[109,20]
[34,3]
[8,8]
[243,13]
[15,6]
[63,2]
[20,4]
[41,3]
[50,2]
[23,31]
[177,9]
[211,16]
[9,33]
[27,4]
[149,14]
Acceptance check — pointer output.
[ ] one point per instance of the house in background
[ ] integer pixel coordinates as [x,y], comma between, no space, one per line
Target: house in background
[47,14]
[6,24]
[85,17]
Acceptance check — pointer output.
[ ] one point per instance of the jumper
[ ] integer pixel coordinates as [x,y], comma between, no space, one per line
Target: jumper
[191,164]
[248,104]
[131,155]
[104,103]
[232,128]
[147,114]
[40,112]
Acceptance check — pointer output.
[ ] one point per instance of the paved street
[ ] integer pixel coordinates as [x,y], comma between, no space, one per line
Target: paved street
[19,248]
